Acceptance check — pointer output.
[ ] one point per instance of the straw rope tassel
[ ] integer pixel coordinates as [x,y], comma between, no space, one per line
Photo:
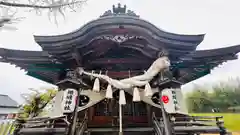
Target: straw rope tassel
[136,95]
[148,90]
[122,100]
[96,85]
[109,93]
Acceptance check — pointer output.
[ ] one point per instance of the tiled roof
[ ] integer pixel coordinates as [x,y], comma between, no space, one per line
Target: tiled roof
[6,101]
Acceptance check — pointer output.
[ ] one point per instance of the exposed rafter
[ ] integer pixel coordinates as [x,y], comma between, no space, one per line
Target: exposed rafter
[42,65]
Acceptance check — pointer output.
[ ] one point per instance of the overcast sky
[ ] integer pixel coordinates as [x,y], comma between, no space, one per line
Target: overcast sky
[219,19]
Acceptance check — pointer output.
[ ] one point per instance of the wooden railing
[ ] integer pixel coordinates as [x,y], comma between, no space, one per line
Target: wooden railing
[6,127]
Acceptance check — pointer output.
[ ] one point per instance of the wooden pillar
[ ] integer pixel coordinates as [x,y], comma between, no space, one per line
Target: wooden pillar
[149,114]
[111,104]
[91,113]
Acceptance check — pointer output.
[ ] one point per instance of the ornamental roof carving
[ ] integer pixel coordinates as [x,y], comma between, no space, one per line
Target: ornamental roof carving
[119,10]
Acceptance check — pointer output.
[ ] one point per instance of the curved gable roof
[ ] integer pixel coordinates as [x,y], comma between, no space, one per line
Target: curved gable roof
[119,20]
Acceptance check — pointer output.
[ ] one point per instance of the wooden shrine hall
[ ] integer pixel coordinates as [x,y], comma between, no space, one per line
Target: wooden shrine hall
[118,44]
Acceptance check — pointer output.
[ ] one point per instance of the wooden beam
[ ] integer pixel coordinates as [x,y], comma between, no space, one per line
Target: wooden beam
[120,61]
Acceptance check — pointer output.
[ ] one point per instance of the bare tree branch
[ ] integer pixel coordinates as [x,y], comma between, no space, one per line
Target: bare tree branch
[4,3]
[54,7]
[4,20]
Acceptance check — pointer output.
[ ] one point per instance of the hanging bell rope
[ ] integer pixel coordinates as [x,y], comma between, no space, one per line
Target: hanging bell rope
[136,95]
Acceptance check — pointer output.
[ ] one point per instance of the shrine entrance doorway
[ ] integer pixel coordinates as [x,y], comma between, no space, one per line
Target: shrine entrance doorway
[107,112]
